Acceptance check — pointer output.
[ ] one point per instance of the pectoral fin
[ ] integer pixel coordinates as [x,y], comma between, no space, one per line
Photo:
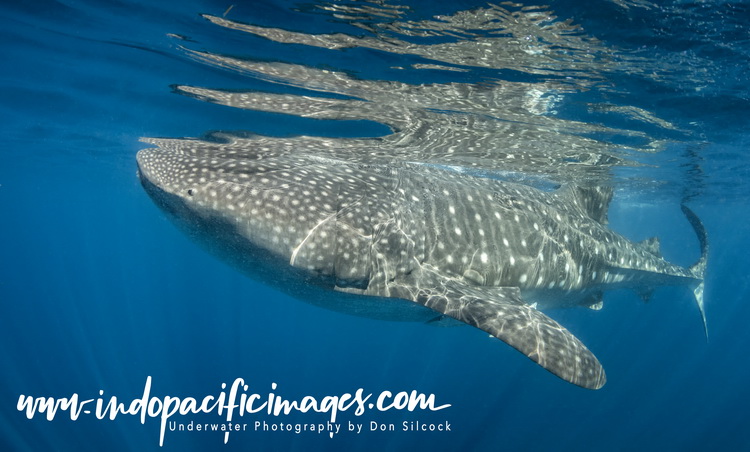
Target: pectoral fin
[501,312]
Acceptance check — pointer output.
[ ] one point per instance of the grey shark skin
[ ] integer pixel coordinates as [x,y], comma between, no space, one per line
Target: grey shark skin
[407,241]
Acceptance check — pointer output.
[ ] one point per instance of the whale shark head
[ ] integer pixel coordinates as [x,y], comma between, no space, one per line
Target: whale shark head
[219,199]
[272,204]
[215,183]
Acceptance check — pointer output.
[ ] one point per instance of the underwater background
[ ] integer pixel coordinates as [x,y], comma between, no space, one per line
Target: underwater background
[99,291]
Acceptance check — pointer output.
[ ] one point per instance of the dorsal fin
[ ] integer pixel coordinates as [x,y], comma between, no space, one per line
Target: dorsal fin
[653,245]
[594,201]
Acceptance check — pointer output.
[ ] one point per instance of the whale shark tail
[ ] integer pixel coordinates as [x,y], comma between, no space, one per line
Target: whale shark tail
[699,268]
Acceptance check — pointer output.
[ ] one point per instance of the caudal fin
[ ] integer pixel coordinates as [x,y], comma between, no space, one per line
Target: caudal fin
[699,268]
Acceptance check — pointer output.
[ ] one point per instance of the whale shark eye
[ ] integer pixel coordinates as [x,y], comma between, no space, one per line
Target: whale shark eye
[190,191]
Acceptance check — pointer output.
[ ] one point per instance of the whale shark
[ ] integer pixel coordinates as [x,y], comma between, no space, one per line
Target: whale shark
[402,240]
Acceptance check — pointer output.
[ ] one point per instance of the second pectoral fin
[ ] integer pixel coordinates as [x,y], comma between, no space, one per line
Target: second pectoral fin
[501,312]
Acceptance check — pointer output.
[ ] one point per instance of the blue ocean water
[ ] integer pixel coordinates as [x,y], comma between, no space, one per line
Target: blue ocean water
[99,291]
